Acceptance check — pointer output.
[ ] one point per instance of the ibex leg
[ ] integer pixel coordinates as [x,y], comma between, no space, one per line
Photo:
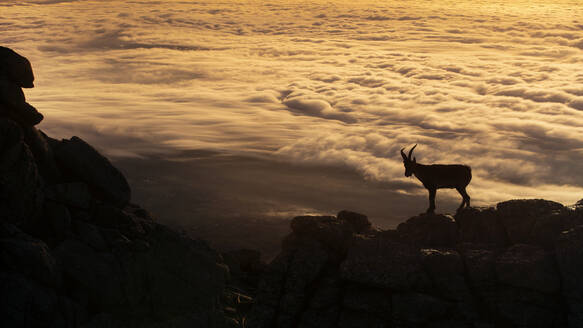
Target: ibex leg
[431,208]
[465,198]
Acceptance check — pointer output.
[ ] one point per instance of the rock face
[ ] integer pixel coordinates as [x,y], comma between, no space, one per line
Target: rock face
[517,265]
[71,257]
[16,73]
[83,162]
[73,251]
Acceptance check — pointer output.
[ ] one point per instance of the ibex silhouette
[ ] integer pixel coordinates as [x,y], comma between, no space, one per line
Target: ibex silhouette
[438,176]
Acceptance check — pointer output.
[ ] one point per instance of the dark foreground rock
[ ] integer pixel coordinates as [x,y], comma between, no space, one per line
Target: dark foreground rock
[493,267]
[73,251]
[71,257]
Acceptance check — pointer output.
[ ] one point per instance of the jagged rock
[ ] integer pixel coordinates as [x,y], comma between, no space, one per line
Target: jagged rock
[14,106]
[16,68]
[21,196]
[16,73]
[305,267]
[73,194]
[38,143]
[86,164]
[433,230]
[519,216]
[481,226]
[570,259]
[270,291]
[529,267]
[358,222]
[331,232]
[384,261]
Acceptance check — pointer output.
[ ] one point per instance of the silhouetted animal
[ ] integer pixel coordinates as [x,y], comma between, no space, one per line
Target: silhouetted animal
[438,176]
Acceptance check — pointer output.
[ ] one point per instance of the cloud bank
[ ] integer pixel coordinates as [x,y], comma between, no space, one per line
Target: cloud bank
[492,84]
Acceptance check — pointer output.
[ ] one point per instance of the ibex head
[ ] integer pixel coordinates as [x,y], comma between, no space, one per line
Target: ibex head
[408,162]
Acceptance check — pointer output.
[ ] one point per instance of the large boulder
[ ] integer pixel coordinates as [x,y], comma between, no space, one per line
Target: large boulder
[86,164]
[14,106]
[520,216]
[433,230]
[329,231]
[384,261]
[481,226]
[72,194]
[359,223]
[16,73]
[16,68]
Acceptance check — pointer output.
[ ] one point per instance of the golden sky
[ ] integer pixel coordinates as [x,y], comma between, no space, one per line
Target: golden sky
[497,85]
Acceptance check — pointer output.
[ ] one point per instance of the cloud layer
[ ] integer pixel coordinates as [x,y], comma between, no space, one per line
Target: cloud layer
[493,84]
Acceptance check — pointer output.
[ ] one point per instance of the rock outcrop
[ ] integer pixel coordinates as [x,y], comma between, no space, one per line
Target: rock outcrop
[16,73]
[517,265]
[74,252]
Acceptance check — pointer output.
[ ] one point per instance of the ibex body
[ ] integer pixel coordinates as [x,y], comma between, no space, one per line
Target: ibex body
[438,176]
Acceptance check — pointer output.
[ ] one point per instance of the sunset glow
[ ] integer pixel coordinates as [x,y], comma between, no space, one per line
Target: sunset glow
[496,85]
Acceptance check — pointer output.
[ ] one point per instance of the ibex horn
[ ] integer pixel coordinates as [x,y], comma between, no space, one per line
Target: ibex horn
[411,151]
[403,154]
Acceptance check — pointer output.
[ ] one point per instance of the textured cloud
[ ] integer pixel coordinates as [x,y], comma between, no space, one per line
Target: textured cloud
[492,84]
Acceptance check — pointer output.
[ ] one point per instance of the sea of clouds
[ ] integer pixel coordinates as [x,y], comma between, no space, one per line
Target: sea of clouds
[494,84]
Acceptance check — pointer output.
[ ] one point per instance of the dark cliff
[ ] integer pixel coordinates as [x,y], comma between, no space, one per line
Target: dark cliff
[517,265]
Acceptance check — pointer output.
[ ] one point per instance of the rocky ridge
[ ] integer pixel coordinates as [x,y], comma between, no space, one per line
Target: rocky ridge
[516,265]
